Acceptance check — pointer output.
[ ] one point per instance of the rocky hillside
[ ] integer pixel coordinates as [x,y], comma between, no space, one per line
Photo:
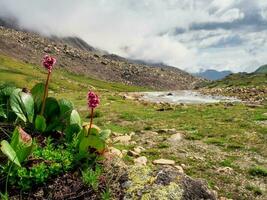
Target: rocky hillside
[78,57]
[247,87]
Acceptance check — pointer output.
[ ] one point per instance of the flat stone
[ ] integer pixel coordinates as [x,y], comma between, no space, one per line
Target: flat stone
[149,133]
[140,161]
[125,139]
[168,131]
[164,162]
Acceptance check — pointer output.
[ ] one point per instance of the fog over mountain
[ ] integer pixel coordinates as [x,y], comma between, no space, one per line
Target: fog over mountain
[192,35]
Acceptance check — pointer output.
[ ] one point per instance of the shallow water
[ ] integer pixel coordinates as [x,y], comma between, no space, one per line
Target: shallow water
[185,97]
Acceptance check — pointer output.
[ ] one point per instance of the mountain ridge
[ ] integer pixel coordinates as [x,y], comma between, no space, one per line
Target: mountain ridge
[212,74]
[78,57]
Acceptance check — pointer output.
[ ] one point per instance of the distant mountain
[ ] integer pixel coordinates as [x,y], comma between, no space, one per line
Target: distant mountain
[211,74]
[261,70]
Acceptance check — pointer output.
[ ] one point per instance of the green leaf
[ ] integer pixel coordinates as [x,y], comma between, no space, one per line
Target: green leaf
[104,135]
[16,104]
[40,123]
[2,112]
[71,131]
[37,92]
[75,118]
[51,108]
[28,105]
[7,91]
[22,144]
[93,141]
[9,152]
[65,107]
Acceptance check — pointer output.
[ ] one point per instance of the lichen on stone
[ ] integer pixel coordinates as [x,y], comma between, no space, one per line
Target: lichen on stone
[161,192]
[143,186]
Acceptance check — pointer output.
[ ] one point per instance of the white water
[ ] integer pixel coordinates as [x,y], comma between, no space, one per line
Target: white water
[184,96]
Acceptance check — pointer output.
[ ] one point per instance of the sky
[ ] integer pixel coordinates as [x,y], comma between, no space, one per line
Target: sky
[192,35]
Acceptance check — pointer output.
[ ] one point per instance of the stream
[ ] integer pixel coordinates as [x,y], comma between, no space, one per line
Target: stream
[184,96]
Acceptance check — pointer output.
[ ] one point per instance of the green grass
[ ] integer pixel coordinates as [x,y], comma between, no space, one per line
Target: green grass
[258,171]
[232,132]
[21,74]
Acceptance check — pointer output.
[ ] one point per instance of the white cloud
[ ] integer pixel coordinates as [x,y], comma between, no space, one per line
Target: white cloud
[145,29]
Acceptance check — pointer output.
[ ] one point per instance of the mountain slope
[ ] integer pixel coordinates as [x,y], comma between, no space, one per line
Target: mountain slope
[247,87]
[211,74]
[83,60]
[262,69]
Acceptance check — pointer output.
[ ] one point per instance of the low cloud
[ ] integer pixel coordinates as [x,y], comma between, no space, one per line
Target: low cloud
[192,35]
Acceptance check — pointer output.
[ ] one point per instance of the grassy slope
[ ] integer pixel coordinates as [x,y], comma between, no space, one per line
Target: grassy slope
[262,69]
[241,80]
[216,135]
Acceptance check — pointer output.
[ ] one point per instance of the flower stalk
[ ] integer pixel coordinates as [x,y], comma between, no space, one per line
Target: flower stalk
[48,62]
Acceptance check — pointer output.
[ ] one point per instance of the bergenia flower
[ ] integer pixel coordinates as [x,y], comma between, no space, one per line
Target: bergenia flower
[93,100]
[48,62]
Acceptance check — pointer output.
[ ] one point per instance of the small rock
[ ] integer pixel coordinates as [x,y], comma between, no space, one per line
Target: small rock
[139,149]
[164,162]
[140,161]
[133,153]
[183,166]
[115,134]
[115,152]
[175,138]
[125,139]
[227,170]
[132,134]
[180,169]
[126,184]
[124,152]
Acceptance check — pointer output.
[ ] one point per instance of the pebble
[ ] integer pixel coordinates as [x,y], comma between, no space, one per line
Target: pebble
[140,161]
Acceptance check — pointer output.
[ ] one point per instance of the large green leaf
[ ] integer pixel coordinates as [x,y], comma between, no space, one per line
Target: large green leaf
[65,107]
[75,118]
[92,141]
[2,112]
[71,131]
[40,123]
[22,144]
[6,91]
[28,105]
[51,108]
[9,152]
[16,104]
[37,93]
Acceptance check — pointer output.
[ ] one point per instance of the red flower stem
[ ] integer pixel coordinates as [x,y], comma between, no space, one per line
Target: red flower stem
[45,93]
[91,121]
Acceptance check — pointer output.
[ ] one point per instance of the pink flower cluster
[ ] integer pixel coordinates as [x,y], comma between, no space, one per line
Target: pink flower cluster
[93,100]
[48,62]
